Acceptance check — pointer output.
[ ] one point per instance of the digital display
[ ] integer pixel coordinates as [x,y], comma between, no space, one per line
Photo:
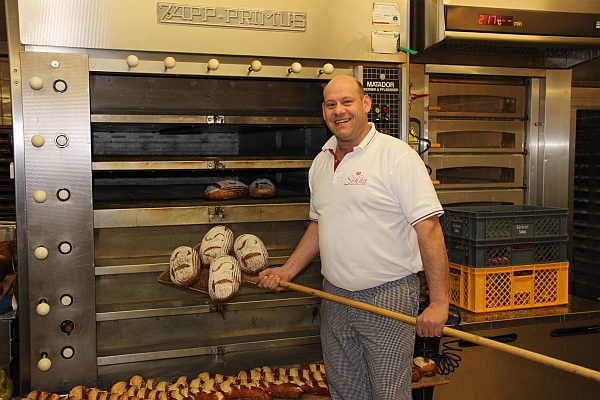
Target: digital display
[493,19]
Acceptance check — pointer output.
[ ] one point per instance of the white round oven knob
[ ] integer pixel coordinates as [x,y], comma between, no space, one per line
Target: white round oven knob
[36,83]
[44,364]
[213,64]
[327,69]
[132,61]
[40,196]
[38,140]
[66,300]
[170,62]
[42,309]
[295,68]
[41,253]
[255,66]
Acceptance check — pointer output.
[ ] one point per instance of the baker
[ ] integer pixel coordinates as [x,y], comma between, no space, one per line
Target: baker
[374,222]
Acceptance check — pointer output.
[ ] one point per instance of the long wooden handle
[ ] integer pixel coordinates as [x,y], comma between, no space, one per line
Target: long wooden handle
[530,355]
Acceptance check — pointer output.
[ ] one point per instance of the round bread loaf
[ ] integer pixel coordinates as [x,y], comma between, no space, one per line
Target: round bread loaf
[184,266]
[227,189]
[261,188]
[217,242]
[224,278]
[251,253]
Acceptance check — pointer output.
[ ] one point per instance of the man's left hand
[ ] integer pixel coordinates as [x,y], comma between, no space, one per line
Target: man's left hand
[431,321]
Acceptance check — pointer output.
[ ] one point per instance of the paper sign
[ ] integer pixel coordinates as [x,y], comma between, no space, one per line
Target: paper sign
[385,42]
[386,14]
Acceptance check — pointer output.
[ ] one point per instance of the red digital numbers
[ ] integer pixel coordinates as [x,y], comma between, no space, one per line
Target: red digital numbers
[491,19]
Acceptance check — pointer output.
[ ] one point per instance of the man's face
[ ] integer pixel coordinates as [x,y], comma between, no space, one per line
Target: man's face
[345,110]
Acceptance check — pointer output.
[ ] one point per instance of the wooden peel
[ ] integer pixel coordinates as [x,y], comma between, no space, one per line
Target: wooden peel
[469,337]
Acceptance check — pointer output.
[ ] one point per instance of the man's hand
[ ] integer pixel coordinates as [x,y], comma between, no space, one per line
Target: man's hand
[432,320]
[270,277]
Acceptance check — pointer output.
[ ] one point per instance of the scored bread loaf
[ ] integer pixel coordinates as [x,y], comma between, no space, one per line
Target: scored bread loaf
[225,190]
[184,266]
[261,188]
[217,242]
[251,253]
[224,278]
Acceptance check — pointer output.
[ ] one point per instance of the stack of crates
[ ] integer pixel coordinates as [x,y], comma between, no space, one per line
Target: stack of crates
[506,257]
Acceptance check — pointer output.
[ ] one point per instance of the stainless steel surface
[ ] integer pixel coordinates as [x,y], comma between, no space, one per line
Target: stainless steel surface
[203,119]
[112,27]
[14,47]
[500,376]
[545,46]
[108,165]
[133,217]
[50,168]
[555,171]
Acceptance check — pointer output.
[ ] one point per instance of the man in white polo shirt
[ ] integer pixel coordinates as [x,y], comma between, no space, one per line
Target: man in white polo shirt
[374,222]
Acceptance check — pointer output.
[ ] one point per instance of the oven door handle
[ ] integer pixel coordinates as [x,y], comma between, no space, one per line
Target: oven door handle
[582,330]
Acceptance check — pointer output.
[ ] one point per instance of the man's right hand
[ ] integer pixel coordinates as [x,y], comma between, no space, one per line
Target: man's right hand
[270,278]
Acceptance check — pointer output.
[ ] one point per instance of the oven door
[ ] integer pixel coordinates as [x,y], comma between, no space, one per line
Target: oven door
[477,171]
[451,136]
[477,100]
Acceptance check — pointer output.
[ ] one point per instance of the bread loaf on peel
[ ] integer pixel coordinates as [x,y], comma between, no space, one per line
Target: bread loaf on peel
[218,241]
[251,253]
[225,190]
[184,266]
[224,278]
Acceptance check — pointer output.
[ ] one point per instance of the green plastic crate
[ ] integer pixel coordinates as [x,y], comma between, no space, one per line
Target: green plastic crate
[502,253]
[504,222]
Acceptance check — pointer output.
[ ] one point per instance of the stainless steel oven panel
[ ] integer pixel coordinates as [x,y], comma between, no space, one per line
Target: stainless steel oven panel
[477,171]
[264,29]
[476,136]
[56,127]
[476,100]
[458,198]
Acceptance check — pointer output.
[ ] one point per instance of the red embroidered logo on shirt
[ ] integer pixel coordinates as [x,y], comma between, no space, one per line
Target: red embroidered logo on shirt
[356,179]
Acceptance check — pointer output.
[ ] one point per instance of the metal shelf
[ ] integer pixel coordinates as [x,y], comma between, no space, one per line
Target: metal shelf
[211,164]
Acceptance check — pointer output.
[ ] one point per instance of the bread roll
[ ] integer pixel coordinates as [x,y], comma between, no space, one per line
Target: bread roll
[427,366]
[251,253]
[224,278]
[226,189]
[416,374]
[218,241]
[184,266]
[244,391]
[284,390]
[261,188]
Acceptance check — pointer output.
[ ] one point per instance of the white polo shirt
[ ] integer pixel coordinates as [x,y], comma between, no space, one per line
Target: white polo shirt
[366,210]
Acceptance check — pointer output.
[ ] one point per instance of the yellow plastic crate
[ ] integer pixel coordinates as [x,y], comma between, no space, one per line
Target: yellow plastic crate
[509,288]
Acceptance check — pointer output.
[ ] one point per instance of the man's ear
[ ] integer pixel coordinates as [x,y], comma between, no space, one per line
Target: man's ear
[323,109]
[367,103]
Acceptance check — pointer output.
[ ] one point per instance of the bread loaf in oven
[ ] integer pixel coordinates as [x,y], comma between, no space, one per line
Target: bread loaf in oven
[261,188]
[226,189]
[224,279]
[251,253]
[218,241]
[184,266]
